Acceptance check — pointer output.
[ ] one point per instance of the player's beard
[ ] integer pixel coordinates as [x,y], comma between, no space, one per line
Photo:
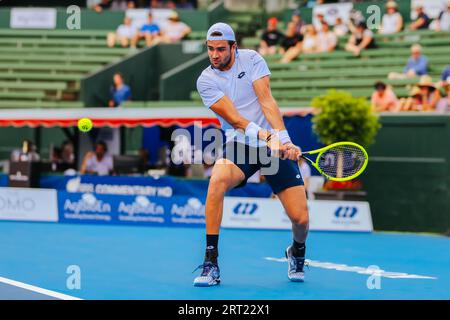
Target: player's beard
[225,64]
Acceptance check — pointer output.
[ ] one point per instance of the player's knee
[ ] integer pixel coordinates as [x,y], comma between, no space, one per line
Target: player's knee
[301,218]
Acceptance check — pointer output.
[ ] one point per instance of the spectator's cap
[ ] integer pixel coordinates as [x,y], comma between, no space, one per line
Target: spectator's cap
[380,85]
[221,31]
[415,91]
[272,20]
[320,14]
[418,6]
[426,81]
[297,13]
[174,16]
[391,4]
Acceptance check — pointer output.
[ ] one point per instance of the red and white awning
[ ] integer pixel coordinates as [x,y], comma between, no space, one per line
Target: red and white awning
[117,117]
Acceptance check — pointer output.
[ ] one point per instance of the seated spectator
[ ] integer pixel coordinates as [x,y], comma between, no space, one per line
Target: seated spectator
[120,5]
[392,21]
[417,65]
[120,92]
[270,38]
[412,103]
[310,41]
[149,31]
[340,28]
[383,98]
[443,21]
[103,5]
[445,76]
[422,21]
[360,40]
[291,46]
[431,96]
[318,23]
[423,97]
[445,105]
[184,4]
[326,39]
[175,30]
[123,35]
[298,22]
[97,162]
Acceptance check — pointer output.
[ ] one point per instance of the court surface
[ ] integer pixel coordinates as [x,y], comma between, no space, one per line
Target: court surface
[120,262]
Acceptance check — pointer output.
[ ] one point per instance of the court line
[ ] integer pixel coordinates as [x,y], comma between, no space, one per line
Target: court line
[43,291]
[360,270]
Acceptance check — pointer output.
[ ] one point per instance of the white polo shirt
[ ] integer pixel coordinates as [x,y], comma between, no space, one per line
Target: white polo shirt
[237,85]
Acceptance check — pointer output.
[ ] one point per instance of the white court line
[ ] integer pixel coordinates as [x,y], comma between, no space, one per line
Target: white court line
[29,287]
[360,270]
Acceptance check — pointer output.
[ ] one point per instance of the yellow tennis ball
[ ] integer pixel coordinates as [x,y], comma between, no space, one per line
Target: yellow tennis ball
[85,124]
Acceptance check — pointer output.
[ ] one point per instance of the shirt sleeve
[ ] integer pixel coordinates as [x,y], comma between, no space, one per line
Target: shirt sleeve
[258,67]
[209,91]
[445,74]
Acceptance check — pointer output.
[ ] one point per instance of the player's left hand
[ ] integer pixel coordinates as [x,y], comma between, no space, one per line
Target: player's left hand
[292,152]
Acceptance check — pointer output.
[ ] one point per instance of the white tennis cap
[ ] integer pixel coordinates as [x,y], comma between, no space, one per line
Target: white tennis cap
[222,28]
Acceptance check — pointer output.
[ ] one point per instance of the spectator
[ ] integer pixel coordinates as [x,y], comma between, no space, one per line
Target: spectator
[445,106]
[175,30]
[340,28]
[431,96]
[297,20]
[103,5]
[270,38]
[361,39]
[123,35]
[67,153]
[417,65]
[445,76]
[98,161]
[422,21]
[184,4]
[149,31]
[310,44]
[318,23]
[383,98]
[156,4]
[413,102]
[119,5]
[326,39]
[120,92]
[291,46]
[443,21]
[392,21]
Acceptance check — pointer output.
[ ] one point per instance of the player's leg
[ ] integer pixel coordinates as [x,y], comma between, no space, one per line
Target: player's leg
[288,184]
[294,203]
[225,175]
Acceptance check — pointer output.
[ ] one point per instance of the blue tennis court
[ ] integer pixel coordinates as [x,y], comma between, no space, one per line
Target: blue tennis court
[117,262]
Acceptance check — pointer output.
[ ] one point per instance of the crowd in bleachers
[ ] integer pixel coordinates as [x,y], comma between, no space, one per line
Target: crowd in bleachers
[129,34]
[122,5]
[301,39]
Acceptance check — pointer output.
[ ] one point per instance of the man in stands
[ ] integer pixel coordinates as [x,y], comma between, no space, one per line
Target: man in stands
[97,162]
[123,35]
[422,21]
[175,30]
[271,38]
[149,31]
[392,21]
[416,66]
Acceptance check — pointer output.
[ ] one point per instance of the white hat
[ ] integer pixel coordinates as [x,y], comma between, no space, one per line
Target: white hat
[225,31]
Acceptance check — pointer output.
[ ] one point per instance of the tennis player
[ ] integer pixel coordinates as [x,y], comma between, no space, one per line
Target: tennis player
[236,87]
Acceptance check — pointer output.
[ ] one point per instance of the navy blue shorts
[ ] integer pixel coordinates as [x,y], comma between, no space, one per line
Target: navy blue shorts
[280,174]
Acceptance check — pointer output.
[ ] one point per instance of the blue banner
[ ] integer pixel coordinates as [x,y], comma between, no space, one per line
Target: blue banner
[131,210]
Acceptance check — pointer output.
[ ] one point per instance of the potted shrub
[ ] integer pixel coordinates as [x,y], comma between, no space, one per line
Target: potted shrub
[341,117]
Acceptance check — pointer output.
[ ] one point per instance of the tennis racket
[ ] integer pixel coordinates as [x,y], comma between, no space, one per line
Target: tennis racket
[340,161]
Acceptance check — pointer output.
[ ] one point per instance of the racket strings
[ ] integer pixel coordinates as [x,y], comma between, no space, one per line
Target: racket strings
[342,161]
